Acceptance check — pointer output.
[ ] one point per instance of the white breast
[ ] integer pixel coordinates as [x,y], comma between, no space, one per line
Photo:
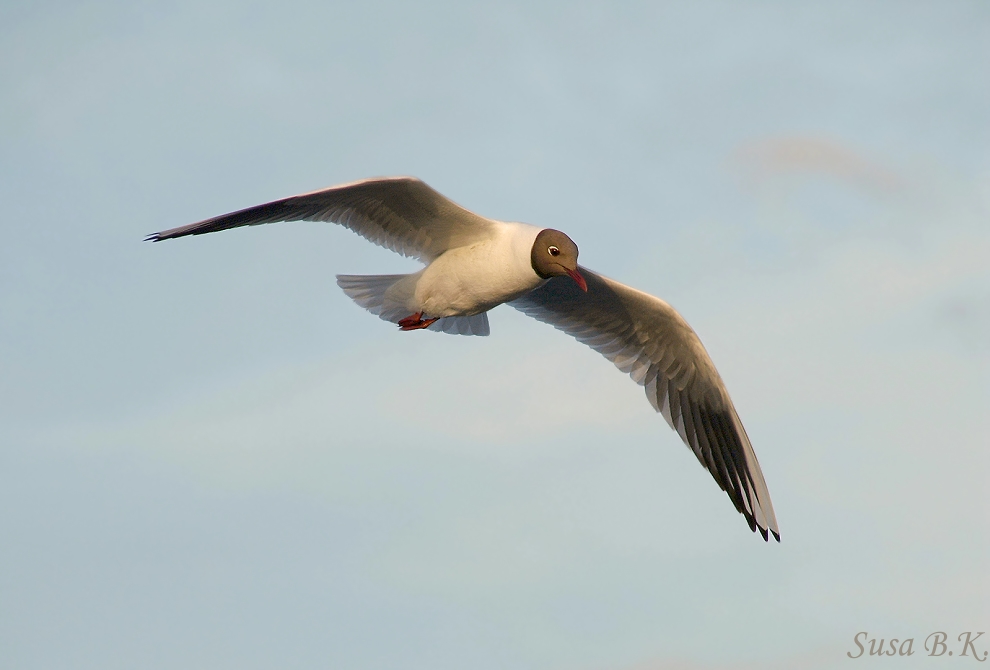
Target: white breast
[469,280]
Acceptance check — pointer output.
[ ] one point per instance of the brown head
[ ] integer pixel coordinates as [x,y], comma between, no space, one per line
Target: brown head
[555,255]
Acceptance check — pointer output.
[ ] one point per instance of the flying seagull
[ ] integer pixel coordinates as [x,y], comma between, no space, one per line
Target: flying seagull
[474,263]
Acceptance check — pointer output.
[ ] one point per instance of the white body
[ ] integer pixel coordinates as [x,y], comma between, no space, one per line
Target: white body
[469,280]
[459,285]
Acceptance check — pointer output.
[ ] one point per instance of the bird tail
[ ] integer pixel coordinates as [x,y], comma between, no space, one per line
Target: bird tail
[372,293]
[369,291]
[463,325]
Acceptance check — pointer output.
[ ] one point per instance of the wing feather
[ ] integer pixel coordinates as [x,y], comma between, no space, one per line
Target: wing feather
[646,338]
[399,213]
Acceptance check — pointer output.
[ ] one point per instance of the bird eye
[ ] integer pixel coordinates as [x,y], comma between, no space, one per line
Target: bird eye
[553,251]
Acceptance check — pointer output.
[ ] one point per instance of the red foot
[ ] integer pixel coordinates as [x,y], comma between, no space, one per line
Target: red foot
[415,322]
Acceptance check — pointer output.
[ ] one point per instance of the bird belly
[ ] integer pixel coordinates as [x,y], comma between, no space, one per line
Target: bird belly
[471,280]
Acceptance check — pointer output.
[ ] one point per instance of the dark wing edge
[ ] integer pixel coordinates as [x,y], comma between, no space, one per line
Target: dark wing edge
[646,338]
[402,214]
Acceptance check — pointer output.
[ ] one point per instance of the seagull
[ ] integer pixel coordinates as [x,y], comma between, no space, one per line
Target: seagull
[473,264]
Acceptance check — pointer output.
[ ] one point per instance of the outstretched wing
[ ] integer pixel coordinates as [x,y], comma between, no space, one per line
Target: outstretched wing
[399,213]
[647,338]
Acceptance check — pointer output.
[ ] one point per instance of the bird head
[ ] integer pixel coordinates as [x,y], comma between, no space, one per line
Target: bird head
[554,254]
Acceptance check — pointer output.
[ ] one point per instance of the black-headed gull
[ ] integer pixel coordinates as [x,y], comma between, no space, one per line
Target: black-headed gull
[474,263]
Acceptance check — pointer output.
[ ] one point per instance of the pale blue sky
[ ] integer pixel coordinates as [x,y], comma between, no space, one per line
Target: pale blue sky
[210,458]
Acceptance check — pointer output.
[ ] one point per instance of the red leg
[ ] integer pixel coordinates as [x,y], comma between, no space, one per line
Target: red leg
[415,322]
[411,320]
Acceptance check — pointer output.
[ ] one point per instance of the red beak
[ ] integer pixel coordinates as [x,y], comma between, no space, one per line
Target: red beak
[578,279]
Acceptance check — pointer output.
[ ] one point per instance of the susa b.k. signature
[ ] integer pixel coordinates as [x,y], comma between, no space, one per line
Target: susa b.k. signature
[935,645]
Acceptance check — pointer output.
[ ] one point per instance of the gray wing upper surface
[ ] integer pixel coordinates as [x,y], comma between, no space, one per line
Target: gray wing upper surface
[645,337]
[399,213]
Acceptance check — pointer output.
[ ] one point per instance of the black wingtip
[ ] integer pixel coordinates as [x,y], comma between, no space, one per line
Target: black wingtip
[776,536]
[154,237]
[763,532]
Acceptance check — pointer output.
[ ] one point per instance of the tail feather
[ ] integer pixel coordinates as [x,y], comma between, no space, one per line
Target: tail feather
[463,325]
[369,291]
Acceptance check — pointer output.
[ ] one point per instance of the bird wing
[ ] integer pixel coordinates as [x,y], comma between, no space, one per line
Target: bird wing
[645,337]
[399,213]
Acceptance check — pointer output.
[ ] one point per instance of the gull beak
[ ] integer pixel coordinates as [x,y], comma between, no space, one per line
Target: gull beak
[578,279]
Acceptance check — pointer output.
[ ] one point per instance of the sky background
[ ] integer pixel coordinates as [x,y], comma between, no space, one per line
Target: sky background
[211,458]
